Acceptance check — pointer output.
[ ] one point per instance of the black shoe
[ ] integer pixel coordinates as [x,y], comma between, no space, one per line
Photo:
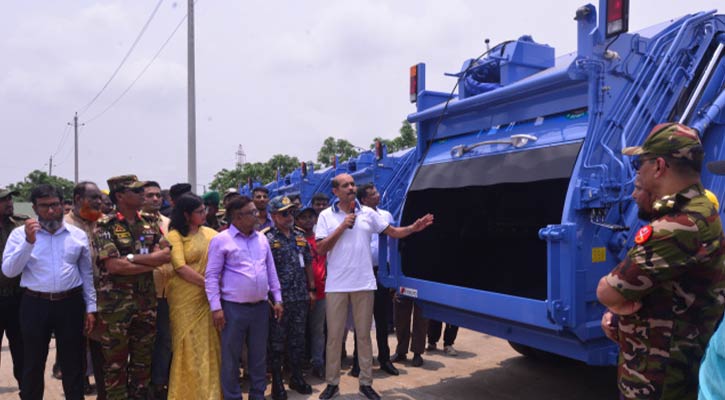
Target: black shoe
[369,392]
[388,367]
[278,390]
[417,360]
[298,384]
[329,392]
[398,358]
[354,372]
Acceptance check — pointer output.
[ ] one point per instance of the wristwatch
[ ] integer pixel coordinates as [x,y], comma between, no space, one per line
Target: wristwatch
[129,257]
[312,290]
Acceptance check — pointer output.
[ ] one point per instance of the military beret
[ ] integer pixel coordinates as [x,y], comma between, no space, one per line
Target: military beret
[280,203]
[211,198]
[670,139]
[124,182]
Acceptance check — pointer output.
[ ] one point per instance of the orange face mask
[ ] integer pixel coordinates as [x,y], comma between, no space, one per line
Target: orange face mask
[90,214]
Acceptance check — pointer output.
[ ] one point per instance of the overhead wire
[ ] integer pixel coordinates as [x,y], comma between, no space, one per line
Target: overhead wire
[143,71]
[63,138]
[123,61]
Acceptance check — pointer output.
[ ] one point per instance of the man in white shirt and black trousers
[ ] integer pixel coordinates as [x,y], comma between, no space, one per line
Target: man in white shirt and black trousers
[343,232]
[54,259]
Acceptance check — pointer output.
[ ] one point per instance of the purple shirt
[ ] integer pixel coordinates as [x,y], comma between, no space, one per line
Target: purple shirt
[240,269]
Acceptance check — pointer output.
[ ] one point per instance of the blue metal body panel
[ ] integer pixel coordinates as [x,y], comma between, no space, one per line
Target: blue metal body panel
[606,96]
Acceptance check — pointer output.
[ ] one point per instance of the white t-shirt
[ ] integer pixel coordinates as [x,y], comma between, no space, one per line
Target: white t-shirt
[349,265]
[374,248]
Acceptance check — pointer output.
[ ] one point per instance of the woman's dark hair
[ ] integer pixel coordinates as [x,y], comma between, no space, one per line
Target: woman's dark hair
[185,205]
[236,204]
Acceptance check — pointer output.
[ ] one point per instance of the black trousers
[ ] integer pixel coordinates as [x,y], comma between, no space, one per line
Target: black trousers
[381,310]
[10,325]
[40,317]
[434,333]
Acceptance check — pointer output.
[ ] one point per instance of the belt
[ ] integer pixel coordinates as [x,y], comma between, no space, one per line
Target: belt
[55,296]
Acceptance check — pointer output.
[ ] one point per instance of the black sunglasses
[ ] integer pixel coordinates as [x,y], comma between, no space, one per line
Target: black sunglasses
[638,161]
[285,213]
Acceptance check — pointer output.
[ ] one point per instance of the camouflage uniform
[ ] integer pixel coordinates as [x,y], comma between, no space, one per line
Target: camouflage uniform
[291,255]
[10,293]
[675,271]
[126,306]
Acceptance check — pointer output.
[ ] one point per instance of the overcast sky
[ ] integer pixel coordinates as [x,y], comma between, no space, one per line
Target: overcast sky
[273,76]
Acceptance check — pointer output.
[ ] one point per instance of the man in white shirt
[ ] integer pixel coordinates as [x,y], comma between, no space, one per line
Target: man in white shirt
[344,232]
[54,259]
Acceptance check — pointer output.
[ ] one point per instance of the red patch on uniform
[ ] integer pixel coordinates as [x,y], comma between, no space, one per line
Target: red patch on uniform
[643,234]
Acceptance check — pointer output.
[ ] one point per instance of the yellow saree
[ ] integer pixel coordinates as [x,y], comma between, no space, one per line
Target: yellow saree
[196,358]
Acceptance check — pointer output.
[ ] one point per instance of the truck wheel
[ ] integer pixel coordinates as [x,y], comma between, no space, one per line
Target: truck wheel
[524,350]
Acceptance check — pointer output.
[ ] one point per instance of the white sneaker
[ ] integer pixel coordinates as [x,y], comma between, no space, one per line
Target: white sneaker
[449,350]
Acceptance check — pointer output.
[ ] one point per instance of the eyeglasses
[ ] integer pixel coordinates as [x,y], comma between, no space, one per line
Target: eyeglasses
[56,205]
[201,211]
[285,213]
[638,161]
[136,190]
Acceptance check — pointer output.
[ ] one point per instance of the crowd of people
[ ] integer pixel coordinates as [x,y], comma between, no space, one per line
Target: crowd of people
[162,297]
[173,307]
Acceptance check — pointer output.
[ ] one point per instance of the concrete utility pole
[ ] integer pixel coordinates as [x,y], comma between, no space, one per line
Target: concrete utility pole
[75,130]
[192,98]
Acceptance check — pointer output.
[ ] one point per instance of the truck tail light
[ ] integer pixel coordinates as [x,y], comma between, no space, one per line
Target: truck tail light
[414,83]
[617,17]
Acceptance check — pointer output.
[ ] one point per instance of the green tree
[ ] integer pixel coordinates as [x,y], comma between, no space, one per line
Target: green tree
[407,139]
[38,177]
[335,147]
[258,171]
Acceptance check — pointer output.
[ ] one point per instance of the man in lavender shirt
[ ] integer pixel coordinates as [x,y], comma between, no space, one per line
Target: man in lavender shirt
[240,276]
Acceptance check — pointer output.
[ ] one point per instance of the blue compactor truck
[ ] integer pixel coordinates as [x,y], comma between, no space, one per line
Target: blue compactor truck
[521,165]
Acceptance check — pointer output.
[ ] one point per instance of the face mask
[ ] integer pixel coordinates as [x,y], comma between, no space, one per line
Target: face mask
[90,214]
[50,225]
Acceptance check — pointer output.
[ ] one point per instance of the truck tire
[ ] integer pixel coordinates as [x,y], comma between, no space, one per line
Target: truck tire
[524,350]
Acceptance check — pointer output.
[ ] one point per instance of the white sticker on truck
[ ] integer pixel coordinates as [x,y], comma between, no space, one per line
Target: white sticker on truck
[410,292]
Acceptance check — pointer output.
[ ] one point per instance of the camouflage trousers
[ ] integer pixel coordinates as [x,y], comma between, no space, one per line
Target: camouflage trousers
[128,331]
[289,333]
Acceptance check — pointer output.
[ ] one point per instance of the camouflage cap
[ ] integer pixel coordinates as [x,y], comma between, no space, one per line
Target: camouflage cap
[124,182]
[7,192]
[211,198]
[230,192]
[280,203]
[670,139]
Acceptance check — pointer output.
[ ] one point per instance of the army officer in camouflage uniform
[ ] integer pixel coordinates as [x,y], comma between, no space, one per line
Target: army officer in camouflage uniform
[293,261]
[666,296]
[128,248]
[10,292]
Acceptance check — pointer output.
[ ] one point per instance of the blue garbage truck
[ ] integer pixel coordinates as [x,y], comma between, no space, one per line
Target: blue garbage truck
[521,165]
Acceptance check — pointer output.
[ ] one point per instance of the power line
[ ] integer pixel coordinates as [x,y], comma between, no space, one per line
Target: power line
[143,71]
[63,138]
[123,61]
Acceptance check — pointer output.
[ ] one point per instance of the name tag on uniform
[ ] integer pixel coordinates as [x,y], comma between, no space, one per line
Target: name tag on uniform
[302,260]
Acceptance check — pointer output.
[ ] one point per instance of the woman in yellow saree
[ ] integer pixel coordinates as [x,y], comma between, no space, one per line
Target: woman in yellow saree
[195,345]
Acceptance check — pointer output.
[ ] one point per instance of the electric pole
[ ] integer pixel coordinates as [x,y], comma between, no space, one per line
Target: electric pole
[50,166]
[75,130]
[191,99]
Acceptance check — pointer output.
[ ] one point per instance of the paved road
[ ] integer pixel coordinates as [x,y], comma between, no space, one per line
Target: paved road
[486,368]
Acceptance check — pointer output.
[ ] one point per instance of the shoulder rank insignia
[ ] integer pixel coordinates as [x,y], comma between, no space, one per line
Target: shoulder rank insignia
[643,234]
[265,230]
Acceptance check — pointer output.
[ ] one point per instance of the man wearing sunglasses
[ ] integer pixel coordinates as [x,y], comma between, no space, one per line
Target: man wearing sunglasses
[293,261]
[129,249]
[665,298]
